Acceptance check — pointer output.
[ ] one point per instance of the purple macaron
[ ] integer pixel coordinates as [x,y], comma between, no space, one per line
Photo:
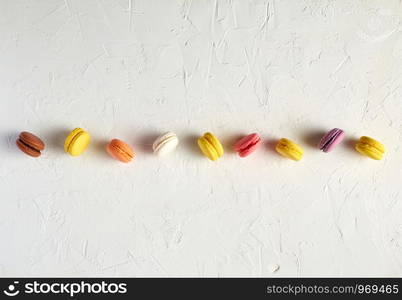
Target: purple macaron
[331,139]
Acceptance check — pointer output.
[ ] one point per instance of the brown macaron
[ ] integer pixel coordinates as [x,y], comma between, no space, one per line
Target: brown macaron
[30,144]
[120,150]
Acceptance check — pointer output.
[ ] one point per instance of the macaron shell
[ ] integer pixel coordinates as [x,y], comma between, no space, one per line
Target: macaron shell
[336,141]
[372,142]
[289,149]
[213,140]
[27,150]
[326,138]
[165,143]
[162,138]
[246,145]
[331,140]
[286,152]
[79,143]
[70,138]
[166,146]
[368,151]
[248,151]
[207,149]
[120,150]
[32,140]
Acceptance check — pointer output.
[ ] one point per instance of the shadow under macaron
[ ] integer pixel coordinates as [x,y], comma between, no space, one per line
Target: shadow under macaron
[143,143]
[190,143]
[229,141]
[270,144]
[55,138]
[312,138]
[9,142]
[98,146]
[349,143]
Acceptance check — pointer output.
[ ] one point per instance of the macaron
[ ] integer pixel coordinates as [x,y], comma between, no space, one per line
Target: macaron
[289,149]
[247,145]
[210,146]
[165,143]
[120,150]
[30,144]
[370,147]
[77,142]
[331,139]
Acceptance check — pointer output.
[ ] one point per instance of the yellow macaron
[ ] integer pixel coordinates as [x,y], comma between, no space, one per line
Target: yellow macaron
[210,146]
[289,149]
[370,147]
[77,141]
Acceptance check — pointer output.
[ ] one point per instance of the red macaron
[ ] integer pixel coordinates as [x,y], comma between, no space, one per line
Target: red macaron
[247,145]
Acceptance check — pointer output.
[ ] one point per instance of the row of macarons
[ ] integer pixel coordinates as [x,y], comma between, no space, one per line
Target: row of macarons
[78,140]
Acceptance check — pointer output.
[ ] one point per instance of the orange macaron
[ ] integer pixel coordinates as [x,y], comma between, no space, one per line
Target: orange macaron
[30,144]
[120,150]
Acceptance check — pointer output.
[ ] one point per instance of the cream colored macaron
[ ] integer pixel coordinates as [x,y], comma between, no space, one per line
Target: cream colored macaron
[165,143]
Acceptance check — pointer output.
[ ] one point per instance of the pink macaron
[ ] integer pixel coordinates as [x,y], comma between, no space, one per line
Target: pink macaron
[331,139]
[247,145]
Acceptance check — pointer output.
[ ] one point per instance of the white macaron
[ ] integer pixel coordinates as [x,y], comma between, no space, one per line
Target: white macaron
[165,143]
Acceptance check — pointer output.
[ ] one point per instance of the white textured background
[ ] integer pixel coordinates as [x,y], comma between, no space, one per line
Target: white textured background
[134,69]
